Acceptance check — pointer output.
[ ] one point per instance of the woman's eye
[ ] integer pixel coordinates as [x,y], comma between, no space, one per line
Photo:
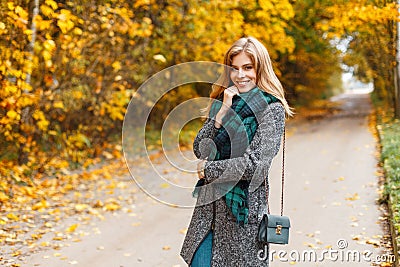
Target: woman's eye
[248,67]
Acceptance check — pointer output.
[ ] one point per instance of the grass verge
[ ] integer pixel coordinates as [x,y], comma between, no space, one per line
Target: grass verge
[389,138]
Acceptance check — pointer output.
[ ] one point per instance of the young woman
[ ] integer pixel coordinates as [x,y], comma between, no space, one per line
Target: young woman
[236,145]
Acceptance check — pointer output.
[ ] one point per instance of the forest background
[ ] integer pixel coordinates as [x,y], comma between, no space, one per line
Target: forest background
[68,69]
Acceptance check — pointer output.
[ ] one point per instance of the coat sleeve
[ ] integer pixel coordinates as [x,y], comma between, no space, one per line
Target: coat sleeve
[257,159]
[203,143]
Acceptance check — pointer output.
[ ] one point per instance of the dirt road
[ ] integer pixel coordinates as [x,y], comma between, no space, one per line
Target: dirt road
[331,189]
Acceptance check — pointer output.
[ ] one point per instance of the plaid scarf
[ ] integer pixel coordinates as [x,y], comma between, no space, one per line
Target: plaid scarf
[232,139]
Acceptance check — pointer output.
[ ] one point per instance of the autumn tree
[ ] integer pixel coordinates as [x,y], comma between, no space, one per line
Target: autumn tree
[64,97]
[69,68]
[369,28]
[313,70]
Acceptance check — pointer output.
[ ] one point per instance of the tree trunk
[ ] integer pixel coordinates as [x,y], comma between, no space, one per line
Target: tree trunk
[22,155]
[33,39]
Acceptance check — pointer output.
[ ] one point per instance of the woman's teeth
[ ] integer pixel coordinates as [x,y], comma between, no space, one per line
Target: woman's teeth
[243,82]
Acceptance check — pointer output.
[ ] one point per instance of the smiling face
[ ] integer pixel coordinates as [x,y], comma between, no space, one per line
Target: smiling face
[243,72]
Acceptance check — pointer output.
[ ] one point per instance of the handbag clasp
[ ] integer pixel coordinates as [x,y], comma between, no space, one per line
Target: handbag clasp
[278,229]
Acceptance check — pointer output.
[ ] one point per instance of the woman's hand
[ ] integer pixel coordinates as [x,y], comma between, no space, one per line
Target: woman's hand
[229,93]
[200,169]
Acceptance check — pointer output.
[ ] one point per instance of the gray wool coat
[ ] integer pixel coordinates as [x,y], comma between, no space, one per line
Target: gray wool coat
[234,245]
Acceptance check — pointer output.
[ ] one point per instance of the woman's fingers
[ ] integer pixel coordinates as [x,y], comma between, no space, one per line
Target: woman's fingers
[200,169]
[229,93]
[232,90]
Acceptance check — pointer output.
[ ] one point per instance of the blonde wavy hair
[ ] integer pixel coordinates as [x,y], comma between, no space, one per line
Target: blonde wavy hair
[266,78]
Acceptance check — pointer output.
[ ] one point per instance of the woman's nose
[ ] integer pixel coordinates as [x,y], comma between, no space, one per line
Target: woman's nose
[241,73]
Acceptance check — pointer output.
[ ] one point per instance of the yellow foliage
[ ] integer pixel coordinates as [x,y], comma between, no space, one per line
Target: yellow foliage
[81,207]
[13,115]
[13,217]
[58,104]
[46,55]
[140,3]
[116,65]
[41,120]
[29,191]
[266,5]
[3,197]
[116,106]
[40,205]
[77,94]
[22,13]
[52,4]
[78,31]
[85,68]
[112,207]
[72,228]
[49,45]
[357,15]
[10,5]
[46,10]
[66,20]
[78,141]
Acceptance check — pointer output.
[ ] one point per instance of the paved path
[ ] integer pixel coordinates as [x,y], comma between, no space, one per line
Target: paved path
[332,187]
[330,196]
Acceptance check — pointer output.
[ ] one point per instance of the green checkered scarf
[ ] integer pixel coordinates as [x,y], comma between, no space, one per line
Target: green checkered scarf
[232,139]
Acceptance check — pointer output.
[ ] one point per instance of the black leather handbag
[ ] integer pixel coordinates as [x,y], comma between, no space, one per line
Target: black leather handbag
[274,229]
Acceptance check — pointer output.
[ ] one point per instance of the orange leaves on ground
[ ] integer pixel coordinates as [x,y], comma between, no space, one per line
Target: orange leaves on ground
[41,208]
[111,206]
[72,228]
[41,205]
[81,207]
[13,217]
[3,197]
[353,197]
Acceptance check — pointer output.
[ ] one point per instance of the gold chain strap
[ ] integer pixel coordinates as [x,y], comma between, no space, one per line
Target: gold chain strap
[283,175]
